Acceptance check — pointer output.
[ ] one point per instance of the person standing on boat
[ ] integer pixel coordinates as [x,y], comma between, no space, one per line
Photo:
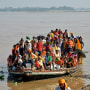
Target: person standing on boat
[62,85]
[81,42]
[39,46]
[70,44]
[65,33]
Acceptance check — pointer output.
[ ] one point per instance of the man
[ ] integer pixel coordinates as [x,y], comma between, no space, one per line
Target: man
[62,85]
[70,44]
[48,60]
[39,46]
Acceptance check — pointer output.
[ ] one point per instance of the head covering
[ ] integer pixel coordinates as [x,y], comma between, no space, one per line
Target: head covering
[62,81]
[27,37]
[71,32]
[48,52]
[57,49]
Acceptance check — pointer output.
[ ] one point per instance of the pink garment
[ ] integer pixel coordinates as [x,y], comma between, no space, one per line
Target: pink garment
[52,54]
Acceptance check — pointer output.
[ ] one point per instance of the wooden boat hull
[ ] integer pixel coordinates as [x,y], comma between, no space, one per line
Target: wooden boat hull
[37,74]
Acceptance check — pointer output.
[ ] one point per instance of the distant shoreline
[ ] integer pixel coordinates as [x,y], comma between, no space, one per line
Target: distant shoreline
[38,9]
[49,11]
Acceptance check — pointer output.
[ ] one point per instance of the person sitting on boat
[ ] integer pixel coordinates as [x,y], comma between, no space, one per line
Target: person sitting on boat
[43,54]
[70,62]
[62,85]
[20,61]
[52,55]
[17,65]
[18,54]
[29,57]
[40,61]
[36,64]
[75,60]
[57,57]
[48,60]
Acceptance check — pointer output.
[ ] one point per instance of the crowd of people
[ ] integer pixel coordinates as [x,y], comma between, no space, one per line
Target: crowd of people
[43,53]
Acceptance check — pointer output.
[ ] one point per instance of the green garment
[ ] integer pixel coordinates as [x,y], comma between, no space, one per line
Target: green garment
[58,59]
[27,37]
[49,57]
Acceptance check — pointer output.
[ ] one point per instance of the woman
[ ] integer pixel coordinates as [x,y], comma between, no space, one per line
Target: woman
[62,85]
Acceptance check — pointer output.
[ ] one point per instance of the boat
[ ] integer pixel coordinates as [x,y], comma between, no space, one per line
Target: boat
[42,74]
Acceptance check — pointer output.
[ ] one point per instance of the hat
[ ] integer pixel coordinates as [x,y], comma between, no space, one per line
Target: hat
[57,49]
[62,81]
[27,37]
[48,52]
[71,32]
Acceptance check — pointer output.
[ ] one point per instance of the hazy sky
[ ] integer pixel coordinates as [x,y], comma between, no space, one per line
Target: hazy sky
[45,3]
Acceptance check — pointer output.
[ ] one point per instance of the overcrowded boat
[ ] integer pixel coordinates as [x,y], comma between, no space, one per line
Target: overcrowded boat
[56,54]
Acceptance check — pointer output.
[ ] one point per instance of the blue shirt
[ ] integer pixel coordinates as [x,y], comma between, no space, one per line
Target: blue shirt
[46,59]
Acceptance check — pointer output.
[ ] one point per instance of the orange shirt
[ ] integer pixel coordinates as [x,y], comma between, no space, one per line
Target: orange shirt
[43,53]
[70,43]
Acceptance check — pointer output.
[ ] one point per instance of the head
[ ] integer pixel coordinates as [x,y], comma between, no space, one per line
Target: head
[39,40]
[22,40]
[50,49]
[47,54]
[62,84]
[18,57]
[68,38]
[21,45]
[66,30]
[57,51]
[33,37]
[10,56]
[70,51]
[39,57]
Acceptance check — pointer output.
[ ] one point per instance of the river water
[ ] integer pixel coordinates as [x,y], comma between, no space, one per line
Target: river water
[14,25]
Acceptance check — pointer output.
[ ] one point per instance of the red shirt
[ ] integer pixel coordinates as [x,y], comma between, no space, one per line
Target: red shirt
[39,46]
[37,64]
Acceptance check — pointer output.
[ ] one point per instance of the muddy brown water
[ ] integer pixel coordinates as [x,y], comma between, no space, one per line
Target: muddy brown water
[14,25]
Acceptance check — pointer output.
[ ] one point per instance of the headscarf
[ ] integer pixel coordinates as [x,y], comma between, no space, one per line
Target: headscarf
[61,81]
[78,44]
[49,57]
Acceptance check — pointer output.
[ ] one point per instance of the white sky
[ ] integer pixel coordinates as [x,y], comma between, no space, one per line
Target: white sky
[45,3]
